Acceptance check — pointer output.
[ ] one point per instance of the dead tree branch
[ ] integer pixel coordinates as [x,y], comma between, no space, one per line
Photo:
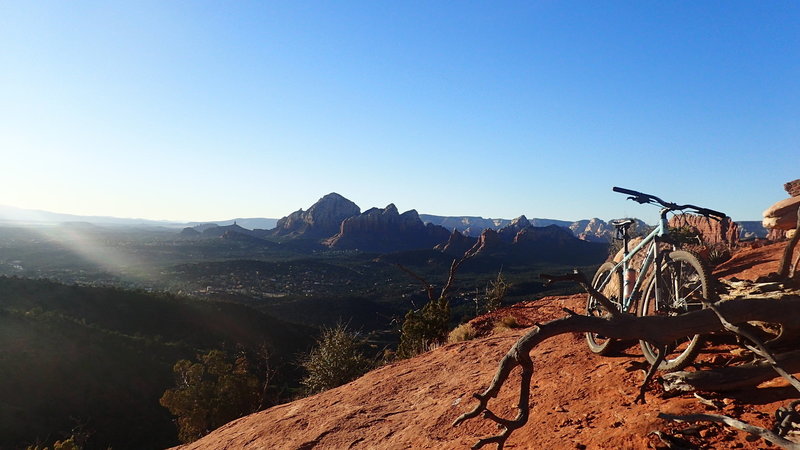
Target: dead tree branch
[659,330]
[427,286]
[789,413]
[730,378]
[759,348]
[738,424]
[451,275]
[651,372]
[580,278]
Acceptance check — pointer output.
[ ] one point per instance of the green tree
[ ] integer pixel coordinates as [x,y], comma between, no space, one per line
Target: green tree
[335,360]
[67,444]
[424,328]
[210,393]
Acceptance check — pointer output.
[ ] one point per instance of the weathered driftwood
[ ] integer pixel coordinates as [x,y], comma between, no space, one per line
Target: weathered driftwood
[738,424]
[730,378]
[758,347]
[658,330]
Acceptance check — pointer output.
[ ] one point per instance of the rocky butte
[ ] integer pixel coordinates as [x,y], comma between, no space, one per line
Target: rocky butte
[322,220]
[386,230]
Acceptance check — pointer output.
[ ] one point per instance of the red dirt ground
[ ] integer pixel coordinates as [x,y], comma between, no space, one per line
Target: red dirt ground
[578,399]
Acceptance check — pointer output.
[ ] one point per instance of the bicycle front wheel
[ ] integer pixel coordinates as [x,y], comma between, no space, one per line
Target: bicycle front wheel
[610,285]
[681,288]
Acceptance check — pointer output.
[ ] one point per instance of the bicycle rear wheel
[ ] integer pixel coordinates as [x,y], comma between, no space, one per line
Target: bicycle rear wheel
[609,285]
[682,287]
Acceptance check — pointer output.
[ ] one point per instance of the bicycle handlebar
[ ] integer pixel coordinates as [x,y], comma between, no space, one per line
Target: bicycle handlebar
[641,197]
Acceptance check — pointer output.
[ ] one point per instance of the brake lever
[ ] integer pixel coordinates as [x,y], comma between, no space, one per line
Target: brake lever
[640,200]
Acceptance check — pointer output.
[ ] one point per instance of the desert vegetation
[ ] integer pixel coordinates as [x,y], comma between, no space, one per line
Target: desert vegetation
[337,358]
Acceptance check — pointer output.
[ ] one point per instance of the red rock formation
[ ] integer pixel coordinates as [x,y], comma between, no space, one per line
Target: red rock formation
[710,230]
[385,230]
[488,241]
[793,188]
[782,215]
[457,244]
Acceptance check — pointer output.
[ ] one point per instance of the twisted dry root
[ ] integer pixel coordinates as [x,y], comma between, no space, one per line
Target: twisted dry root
[658,330]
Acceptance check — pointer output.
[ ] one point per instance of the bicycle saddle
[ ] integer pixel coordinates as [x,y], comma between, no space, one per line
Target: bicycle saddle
[622,223]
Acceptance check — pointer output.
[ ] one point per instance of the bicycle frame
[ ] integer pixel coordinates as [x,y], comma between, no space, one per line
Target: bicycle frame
[653,239]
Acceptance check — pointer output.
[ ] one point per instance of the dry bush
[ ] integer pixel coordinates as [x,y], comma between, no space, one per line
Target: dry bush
[505,323]
[463,332]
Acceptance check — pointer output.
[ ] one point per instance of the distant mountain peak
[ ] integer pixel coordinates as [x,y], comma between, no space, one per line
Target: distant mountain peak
[520,222]
[322,219]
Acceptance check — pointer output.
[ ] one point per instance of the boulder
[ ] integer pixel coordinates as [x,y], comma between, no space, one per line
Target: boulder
[782,215]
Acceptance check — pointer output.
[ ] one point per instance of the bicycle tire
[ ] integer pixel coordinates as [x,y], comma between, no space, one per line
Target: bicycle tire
[685,284]
[597,343]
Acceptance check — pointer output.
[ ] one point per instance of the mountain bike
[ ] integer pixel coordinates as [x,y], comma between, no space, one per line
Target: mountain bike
[678,283]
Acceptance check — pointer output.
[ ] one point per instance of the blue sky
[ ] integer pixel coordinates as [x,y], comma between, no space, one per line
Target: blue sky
[212,110]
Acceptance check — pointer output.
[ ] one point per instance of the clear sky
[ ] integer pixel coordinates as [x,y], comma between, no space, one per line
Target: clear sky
[213,110]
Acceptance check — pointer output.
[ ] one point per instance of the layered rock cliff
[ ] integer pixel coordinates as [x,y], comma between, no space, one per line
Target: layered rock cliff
[711,231]
[386,230]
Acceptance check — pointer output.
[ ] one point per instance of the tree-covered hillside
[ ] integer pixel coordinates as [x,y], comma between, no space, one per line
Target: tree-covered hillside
[99,359]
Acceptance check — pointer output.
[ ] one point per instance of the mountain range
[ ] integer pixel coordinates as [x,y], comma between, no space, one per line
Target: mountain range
[324,220]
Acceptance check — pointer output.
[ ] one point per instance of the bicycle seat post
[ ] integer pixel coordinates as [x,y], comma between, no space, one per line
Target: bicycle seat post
[622,226]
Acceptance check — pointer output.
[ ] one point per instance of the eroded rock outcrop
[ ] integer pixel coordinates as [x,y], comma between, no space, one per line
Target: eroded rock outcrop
[457,244]
[781,218]
[711,231]
[386,230]
[509,232]
[783,214]
[322,219]
[793,188]
[593,230]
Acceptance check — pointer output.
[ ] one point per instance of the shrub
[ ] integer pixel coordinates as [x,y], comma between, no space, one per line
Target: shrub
[335,360]
[463,332]
[67,444]
[504,324]
[495,292]
[718,254]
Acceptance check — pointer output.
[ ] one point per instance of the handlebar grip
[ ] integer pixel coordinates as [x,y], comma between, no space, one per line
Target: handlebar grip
[711,212]
[626,191]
